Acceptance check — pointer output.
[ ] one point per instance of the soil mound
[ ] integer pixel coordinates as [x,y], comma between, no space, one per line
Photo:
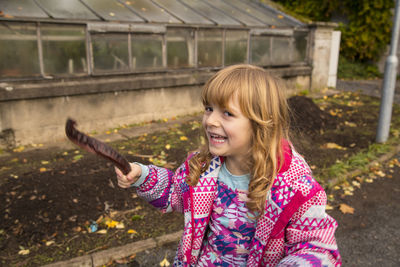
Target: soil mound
[306,116]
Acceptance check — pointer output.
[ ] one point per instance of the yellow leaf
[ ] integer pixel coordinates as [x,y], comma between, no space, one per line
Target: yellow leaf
[346,209]
[328,207]
[348,193]
[111,223]
[131,231]
[45,162]
[168,146]
[350,124]
[164,262]
[24,252]
[333,146]
[102,231]
[43,169]
[19,149]
[380,173]
[183,138]
[120,225]
[49,243]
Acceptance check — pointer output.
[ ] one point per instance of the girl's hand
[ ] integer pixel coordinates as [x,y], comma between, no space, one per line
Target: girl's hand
[126,181]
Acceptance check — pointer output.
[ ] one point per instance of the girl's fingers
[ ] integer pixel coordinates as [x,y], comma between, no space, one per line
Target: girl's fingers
[126,181]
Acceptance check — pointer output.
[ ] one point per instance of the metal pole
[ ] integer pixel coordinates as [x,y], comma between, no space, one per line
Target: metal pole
[389,82]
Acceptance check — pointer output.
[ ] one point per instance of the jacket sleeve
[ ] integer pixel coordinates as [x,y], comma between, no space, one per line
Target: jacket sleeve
[310,239]
[163,188]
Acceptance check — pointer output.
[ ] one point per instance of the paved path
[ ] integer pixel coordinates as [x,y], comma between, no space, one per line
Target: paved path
[368,87]
[371,236]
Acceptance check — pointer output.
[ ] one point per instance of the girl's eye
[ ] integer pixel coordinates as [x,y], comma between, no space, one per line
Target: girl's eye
[208,109]
[227,113]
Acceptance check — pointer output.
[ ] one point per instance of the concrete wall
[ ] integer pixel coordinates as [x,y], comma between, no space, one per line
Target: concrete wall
[321,55]
[35,112]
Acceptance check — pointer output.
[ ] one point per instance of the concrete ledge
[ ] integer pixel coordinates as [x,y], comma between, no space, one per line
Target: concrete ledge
[97,85]
[103,257]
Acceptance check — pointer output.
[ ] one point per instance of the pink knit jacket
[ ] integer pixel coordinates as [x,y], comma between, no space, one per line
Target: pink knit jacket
[293,231]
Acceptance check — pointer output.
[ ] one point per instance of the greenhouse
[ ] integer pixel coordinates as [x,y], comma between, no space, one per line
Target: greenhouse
[58,54]
[47,38]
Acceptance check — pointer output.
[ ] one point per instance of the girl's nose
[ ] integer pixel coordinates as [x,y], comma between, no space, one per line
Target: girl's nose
[212,120]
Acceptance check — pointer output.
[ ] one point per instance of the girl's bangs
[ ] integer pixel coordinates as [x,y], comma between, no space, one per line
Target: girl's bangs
[219,91]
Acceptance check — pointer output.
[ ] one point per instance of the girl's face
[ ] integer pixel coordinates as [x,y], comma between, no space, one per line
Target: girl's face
[228,131]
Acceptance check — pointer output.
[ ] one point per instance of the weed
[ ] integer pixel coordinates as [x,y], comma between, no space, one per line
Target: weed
[354,70]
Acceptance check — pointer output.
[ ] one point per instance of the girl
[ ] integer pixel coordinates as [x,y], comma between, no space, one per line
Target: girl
[248,197]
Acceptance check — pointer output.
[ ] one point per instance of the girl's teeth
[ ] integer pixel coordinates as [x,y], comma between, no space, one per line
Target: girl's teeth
[218,138]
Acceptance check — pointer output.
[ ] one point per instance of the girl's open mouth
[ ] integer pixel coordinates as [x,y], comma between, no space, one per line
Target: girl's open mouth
[217,139]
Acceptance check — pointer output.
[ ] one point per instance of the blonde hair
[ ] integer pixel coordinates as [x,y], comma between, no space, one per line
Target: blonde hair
[262,100]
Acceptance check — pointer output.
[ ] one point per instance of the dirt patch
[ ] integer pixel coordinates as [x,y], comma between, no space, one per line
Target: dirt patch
[51,197]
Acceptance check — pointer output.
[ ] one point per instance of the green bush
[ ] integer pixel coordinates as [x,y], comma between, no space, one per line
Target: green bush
[348,69]
[367,33]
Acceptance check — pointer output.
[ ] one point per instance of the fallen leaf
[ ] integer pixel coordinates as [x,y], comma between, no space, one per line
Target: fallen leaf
[24,252]
[380,173]
[333,146]
[183,138]
[102,231]
[78,157]
[328,207]
[111,223]
[131,231]
[350,124]
[336,187]
[43,169]
[357,184]
[120,225]
[165,262]
[346,209]
[19,149]
[49,243]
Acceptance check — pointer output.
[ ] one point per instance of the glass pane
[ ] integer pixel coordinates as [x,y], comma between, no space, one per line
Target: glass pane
[146,51]
[19,50]
[180,48]
[281,50]
[150,11]
[260,50]
[21,8]
[211,13]
[64,49]
[182,12]
[110,52]
[112,10]
[209,48]
[261,13]
[301,44]
[235,47]
[235,13]
[67,9]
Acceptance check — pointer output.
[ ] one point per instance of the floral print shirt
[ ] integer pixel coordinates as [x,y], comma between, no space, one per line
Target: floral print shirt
[232,225]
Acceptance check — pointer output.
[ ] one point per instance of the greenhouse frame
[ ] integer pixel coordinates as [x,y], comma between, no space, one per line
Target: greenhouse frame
[58,57]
